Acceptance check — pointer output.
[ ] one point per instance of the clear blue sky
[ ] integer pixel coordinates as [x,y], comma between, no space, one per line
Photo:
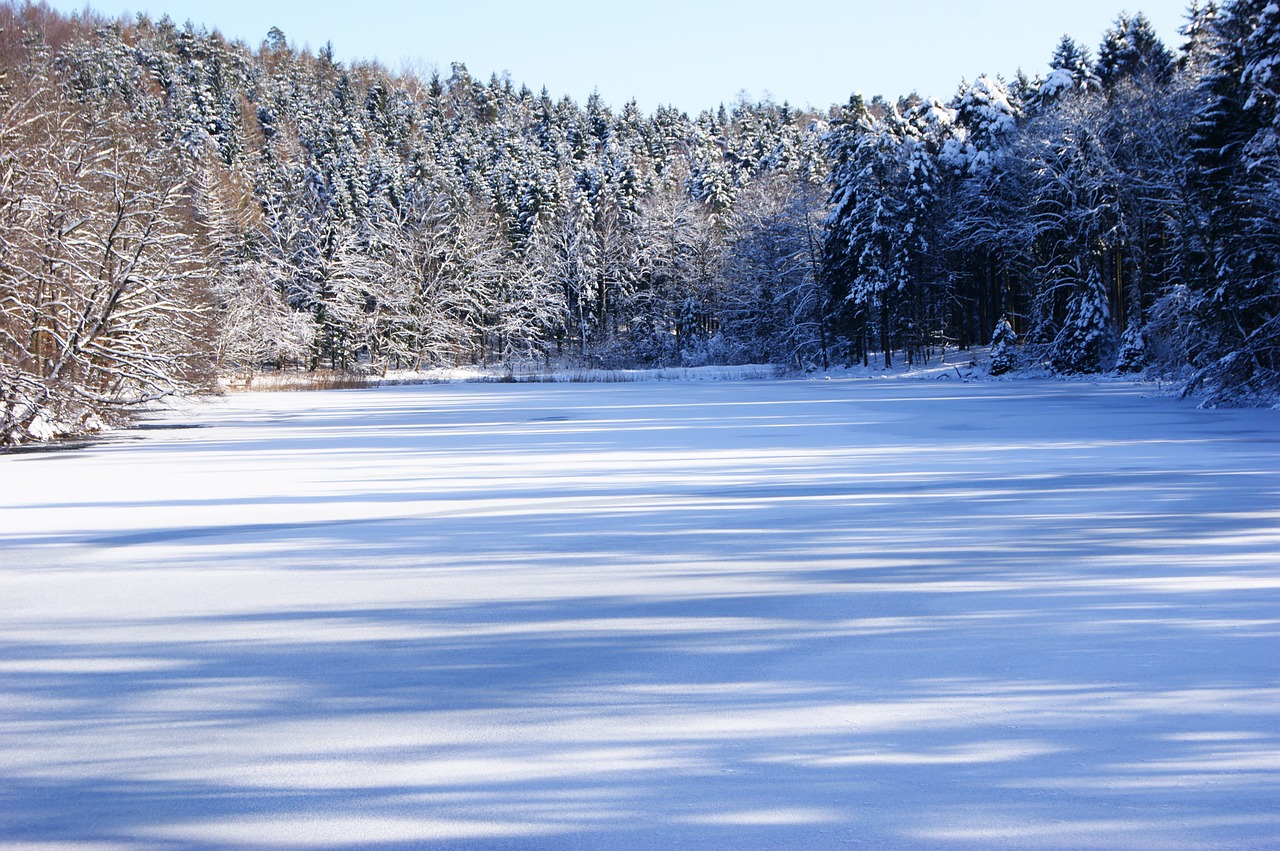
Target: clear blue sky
[692,54]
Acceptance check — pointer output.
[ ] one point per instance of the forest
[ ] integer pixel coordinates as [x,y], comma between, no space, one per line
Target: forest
[176,207]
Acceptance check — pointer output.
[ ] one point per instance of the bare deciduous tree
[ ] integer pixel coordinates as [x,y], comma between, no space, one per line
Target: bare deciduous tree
[101,289]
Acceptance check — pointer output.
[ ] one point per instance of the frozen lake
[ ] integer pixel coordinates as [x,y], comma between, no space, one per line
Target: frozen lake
[883,614]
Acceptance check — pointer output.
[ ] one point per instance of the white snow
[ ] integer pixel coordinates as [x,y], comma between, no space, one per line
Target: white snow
[756,614]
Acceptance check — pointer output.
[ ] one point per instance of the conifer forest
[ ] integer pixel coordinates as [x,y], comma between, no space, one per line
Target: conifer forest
[175,207]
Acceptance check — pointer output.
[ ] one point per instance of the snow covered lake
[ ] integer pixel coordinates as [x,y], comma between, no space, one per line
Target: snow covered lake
[777,614]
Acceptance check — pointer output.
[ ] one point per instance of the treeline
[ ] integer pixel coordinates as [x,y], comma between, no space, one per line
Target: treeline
[1120,212]
[174,206]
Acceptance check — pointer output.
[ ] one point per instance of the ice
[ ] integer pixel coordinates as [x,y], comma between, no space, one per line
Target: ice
[738,614]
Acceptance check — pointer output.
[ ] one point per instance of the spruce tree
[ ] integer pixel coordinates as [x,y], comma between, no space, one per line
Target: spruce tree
[1236,297]
[1132,356]
[1086,341]
[1132,50]
[1004,348]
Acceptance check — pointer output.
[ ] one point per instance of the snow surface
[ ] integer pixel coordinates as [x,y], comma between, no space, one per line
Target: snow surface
[759,614]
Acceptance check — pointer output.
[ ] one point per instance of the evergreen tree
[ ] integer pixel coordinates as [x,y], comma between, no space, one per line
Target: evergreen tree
[1086,340]
[1132,356]
[884,221]
[1004,348]
[1236,300]
[1198,37]
[1131,49]
[984,201]
[1071,69]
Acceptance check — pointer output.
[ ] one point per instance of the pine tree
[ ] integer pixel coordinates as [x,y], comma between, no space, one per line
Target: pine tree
[983,202]
[1071,70]
[1132,50]
[1132,356]
[884,222]
[1236,298]
[1004,348]
[989,121]
[1198,37]
[1086,341]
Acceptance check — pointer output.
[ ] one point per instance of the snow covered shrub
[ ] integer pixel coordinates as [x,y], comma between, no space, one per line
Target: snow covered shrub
[697,353]
[1004,348]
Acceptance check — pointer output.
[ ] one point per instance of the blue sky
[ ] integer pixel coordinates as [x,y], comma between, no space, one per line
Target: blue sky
[689,54]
